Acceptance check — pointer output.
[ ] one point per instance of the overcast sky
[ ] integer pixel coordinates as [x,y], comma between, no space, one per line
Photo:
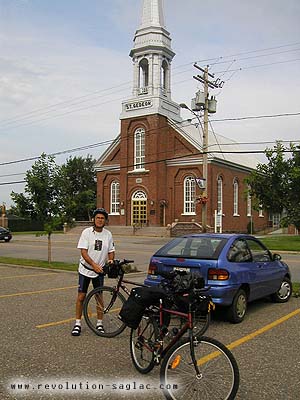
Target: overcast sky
[65,69]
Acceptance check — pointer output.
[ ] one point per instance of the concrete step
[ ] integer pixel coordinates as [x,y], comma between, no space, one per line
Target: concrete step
[149,231]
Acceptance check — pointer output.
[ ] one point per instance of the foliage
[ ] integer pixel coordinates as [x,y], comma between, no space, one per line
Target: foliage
[276,185]
[52,191]
[42,191]
[78,188]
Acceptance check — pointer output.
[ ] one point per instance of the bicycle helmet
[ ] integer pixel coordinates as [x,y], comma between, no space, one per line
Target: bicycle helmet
[100,211]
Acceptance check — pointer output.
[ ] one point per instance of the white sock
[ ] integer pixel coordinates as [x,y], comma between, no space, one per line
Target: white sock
[78,322]
[99,322]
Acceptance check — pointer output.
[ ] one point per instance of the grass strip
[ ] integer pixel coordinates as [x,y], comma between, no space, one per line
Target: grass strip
[53,265]
[282,242]
[39,263]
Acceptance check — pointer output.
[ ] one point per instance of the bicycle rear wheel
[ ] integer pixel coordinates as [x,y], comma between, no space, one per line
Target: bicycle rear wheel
[104,303]
[142,341]
[219,373]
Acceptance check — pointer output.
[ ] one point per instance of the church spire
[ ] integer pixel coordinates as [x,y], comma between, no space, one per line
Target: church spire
[153,14]
[152,56]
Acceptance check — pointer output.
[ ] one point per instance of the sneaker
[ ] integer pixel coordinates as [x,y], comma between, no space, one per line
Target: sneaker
[76,331]
[100,328]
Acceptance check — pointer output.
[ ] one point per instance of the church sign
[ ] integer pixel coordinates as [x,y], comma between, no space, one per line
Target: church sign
[138,104]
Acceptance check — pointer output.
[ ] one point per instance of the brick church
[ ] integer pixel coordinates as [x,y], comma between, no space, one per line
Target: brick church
[148,176]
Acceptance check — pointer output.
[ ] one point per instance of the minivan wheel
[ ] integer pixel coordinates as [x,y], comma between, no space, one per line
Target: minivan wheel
[237,310]
[284,293]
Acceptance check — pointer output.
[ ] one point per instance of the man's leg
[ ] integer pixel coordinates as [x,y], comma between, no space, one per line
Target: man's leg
[82,290]
[98,282]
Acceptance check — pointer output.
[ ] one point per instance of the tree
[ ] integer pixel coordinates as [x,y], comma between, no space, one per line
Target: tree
[42,202]
[78,188]
[42,189]
[275,185]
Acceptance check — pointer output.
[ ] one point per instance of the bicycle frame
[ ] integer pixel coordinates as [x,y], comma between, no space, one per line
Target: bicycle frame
[188,326]
[121,285]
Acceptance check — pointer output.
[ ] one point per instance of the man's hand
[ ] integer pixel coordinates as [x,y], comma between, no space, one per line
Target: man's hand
[97,268]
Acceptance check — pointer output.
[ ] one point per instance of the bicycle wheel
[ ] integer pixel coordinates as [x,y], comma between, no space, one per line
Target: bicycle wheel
[219,373]
[104,303]
[200,323]
[142,342]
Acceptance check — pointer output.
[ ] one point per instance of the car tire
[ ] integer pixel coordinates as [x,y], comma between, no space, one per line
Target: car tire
[284,293]
[237,310]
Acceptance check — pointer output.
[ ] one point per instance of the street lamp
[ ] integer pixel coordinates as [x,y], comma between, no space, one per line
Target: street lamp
[204,155]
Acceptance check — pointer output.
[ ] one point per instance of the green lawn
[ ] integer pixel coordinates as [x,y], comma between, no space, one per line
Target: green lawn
[282,242]
[39,263]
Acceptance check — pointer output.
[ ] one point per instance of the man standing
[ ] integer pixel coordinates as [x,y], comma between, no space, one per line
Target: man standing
[97,247]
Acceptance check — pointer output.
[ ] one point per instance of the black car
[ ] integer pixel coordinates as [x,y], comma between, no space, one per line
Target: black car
[5,234]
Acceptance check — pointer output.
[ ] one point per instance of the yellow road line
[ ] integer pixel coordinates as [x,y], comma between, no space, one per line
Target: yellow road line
[263,329]
[37,292]
[64,321]
[25,276]
[246,338]
[55,323]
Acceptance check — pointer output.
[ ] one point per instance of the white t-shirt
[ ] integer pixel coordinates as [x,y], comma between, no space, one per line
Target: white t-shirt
[98,245]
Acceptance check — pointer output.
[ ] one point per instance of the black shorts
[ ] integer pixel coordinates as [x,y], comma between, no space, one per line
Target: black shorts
[84,281]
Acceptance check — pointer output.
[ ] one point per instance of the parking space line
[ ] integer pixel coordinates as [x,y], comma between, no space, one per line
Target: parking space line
[37,292]
[262,330]
[64,321]
[26,276]
[246,338]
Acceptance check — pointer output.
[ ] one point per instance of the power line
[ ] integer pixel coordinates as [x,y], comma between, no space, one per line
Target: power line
[113,168]
[11,183]
[107,142]
[85,98]
[256,117]
[258,66]
[249,52]
[256,56]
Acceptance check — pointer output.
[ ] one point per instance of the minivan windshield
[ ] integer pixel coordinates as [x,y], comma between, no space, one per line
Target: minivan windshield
[207,248]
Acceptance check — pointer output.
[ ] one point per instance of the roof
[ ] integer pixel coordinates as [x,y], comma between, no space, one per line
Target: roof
[220,148]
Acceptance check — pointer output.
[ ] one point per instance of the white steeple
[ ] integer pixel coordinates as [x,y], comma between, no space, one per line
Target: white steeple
[152,56]
[153,14]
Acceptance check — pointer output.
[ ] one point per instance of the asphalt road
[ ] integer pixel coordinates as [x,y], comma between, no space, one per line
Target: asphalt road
[137,248]
[37,309]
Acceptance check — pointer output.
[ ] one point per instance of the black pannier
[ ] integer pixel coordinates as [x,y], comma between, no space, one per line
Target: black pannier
[134,307]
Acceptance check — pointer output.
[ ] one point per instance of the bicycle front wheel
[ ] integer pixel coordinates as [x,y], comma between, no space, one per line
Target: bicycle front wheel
[200,323]
[142,344]
[218,378]
[104,303]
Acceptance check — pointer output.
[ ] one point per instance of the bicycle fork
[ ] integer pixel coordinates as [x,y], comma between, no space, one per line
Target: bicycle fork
[193,342]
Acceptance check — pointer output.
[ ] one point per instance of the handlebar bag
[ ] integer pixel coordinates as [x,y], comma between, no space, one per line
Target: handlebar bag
[111,270]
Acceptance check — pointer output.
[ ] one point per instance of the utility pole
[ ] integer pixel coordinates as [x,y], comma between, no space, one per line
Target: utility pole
[209,106]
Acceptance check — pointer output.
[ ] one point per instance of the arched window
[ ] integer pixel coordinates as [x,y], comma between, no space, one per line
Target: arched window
[144,73]
[115,197]
[235,197]
[189,195]
[139,148]
[220,195]
[164,75]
